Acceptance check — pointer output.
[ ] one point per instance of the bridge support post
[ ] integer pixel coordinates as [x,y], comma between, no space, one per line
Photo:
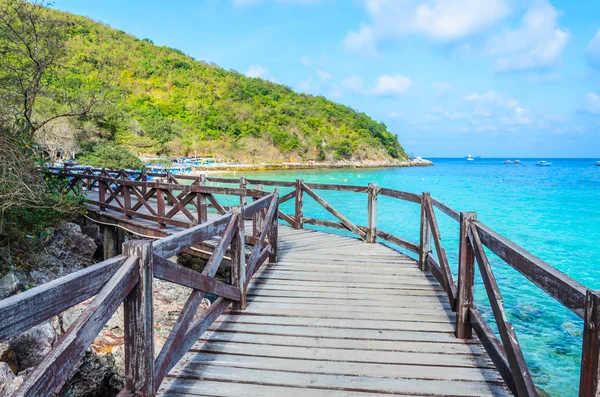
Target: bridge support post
[272,234]
[243,185]
[238,259]
[425,246]
[466,274]
[110,235]
[372,214]
[299,204]
[139,323]
[590,357]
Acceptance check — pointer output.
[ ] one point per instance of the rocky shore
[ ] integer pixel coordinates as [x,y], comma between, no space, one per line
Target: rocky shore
[101,372]
[418,162]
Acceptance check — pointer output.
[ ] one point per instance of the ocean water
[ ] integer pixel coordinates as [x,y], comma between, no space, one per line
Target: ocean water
[554,212]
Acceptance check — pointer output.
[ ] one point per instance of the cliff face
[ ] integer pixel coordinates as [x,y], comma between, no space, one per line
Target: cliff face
[163,101]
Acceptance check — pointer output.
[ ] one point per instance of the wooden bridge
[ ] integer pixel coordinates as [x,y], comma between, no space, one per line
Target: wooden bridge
[304,313]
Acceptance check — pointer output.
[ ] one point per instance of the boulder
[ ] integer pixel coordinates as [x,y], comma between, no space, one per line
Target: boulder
[8,356]
[95,377]
[33,345]
[9,382]
[9,285]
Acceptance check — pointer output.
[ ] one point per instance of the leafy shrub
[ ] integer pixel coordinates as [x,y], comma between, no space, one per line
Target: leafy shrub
[110,155]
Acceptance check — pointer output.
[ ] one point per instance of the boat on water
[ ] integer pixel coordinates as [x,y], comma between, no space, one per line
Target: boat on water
[543,163]
[517,162]
[598,163]
[508,162]
[470,158]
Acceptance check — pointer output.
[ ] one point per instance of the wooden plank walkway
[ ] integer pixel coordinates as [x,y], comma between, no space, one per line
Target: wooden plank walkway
[336,317]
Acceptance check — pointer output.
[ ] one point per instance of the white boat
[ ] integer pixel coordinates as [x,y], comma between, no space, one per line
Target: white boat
[543,163]
[517,162]
[470,158]
[508,162]
[598,163]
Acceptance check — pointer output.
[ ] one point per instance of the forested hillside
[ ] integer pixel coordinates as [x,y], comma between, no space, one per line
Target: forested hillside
[157,100]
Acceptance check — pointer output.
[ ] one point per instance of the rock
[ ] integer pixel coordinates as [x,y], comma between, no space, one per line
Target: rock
[9,284]
[95,377]
[9,382]
[31,347]
[7,355]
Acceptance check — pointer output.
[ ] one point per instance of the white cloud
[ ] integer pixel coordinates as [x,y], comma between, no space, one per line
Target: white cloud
[387,85]
[592,103]
[362,42]
[306,61]
[494,110]
[259,71]
[441,89]
[324,76]
[354,84]
[438,20]
[384,85]
[396,116]
[592,51]
[537,43]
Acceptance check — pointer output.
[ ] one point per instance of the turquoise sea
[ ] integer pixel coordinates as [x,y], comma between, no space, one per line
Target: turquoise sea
[554,212]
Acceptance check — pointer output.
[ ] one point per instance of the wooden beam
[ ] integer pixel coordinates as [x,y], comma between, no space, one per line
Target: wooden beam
[299,212]
[425,242]
[138,316]
[351,226]
[466,274]
[558,285]
[238,259]
[34,306]
[589,379]
[58,363]
[372,214]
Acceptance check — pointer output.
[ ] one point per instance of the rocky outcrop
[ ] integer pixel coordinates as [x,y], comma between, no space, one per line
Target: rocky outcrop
[31,347]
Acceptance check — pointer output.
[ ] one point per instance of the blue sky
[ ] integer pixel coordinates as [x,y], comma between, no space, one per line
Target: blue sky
[497,78]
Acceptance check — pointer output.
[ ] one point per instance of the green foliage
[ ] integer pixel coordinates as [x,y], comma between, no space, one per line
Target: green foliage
[110,155]
[165,102]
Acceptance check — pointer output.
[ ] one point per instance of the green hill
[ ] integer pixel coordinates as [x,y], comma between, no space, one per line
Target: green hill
[165,102]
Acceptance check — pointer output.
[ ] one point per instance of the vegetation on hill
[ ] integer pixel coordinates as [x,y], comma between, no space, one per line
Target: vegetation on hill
[157,100]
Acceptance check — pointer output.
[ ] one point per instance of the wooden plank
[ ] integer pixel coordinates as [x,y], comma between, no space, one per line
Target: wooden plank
[414,198]
[351,226]
[34,306]
[425,241]
[58,363]
[175,273]
[412,247]
[444,267]
[175,243]
[343,344]
[514,355]
[558,285]
[336,358]
[343,383]
[299,204]
[452,213]
[252,209]
[492,346]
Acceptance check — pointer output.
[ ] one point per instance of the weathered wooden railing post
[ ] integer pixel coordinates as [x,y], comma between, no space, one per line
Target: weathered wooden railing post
[590,355]
[466,273]
[139,323]
[160,208]
[201,207]
[238,259]
[101,195]
[372,214]
[243,185]
[127,201]
[272,234]
[299,204]
[425,246]
[258,220]
[144,178]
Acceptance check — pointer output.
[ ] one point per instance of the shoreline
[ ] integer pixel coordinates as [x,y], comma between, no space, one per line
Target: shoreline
[305,166]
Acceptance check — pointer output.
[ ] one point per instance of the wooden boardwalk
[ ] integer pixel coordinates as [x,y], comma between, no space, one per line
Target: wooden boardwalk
[336,317]
[304,313]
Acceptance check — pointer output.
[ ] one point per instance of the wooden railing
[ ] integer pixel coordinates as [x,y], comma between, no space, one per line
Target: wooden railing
[474,238]
[127,279]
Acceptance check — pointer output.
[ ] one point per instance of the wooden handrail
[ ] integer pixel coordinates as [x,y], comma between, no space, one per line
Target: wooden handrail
[127,192]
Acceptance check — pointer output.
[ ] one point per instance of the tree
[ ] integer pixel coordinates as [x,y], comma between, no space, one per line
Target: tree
[32,52]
